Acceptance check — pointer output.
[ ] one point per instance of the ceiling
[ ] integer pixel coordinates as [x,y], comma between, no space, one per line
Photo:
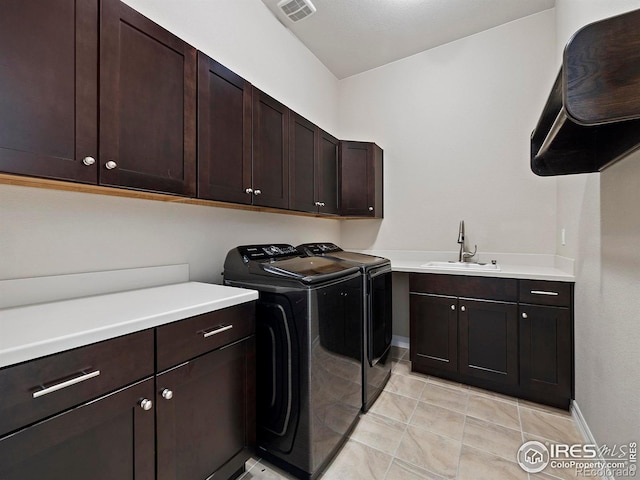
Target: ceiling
[352,36]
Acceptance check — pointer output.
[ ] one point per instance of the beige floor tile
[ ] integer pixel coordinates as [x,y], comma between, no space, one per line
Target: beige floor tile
[430,451]
[401,367]
[405,385]
[438,420]
[549,426]
[544,408]
[492,438]
[401,470]
[357,461]
[399,353]
[447,383]
[479,465]
[561,474]
[445,396]
[394,406]
[493,410]
[265,471]
[490,394]
[379,432]
[250,463]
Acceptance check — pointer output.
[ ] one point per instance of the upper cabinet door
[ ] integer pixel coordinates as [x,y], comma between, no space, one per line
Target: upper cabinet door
[361,179]
[224,133]
[327,174]
[303,140]
[270,151]
[48,85]
[147,104]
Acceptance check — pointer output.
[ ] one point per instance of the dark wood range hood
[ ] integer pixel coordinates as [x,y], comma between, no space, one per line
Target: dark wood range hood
[592,116]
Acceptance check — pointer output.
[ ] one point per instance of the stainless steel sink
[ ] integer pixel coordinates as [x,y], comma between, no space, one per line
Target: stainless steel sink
[477,267]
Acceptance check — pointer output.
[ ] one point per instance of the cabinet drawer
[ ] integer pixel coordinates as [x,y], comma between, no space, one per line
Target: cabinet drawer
[542,292]
[180,341]
[505,289]
[40,388]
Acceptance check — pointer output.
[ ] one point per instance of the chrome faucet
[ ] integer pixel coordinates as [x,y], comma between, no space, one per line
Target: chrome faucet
[464,255]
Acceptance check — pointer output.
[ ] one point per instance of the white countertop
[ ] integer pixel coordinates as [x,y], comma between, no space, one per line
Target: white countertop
[525,266]
[33,331]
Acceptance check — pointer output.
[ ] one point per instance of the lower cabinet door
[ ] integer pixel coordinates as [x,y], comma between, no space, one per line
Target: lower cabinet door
[206,414]
[106,439]
[489,340]
[434,333]
[546,354]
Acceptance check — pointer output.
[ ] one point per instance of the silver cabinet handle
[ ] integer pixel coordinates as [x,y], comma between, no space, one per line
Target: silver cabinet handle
[317,204]
[167,394]
[59,386]
[453,307]
[216,331]
[248,190]
[371,209]
[322,204]
[257,192]
[110,165]
[524,315]
[146,404]
[544,292]
[463,308]
[88,161]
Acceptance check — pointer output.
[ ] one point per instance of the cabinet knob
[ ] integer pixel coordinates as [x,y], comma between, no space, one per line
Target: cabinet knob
[317,204]
[463,308]
[453,307]
[257,192]
[248,190]
[88,161]
[322,204]
[371,209]
[167,394]
[146,404]
[524,315]
[110,165]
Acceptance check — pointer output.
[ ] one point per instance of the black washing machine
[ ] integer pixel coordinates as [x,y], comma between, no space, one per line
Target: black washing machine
[377,314]
[308,352]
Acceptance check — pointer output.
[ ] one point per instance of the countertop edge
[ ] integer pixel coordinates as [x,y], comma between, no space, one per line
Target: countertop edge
[70,340]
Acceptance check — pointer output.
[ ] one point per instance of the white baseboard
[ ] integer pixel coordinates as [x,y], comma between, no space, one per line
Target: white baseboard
[399,341]
[583,427]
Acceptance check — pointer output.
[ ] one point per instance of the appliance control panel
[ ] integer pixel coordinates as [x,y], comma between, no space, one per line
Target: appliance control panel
[320,248]
[267,252]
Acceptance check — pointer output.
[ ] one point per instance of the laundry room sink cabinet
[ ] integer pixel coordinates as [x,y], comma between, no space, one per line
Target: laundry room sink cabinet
[512,336]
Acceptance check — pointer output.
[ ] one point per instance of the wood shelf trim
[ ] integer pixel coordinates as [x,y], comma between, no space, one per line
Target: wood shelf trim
[33,182]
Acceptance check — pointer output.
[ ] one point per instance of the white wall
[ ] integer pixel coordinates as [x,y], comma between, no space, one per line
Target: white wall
[455,122]
[45,232]
[600,214]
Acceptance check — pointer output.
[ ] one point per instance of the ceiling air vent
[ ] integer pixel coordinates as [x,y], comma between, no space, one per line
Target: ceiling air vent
[296,9]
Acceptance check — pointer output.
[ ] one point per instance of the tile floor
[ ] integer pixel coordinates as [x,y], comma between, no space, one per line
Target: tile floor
[427,428]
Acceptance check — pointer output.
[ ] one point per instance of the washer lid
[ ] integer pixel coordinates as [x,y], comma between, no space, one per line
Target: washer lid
[308,269]
[361,258]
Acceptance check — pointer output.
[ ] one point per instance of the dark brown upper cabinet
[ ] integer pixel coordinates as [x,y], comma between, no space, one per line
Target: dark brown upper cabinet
[361,179]
[48,80]
[147,104]
[224,133]
[313,164]
[592,116]
[139,133]
[270,176]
